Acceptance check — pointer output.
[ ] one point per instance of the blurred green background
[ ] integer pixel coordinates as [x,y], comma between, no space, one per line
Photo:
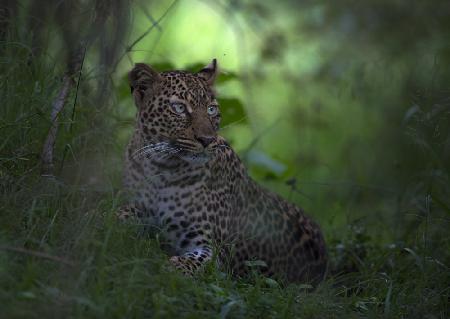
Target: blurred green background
[343,107]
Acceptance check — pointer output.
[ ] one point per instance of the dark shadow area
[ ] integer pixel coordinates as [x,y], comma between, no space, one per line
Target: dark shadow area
[340,107]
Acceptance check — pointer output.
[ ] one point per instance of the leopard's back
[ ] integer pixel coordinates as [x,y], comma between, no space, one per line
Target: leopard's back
[265,227]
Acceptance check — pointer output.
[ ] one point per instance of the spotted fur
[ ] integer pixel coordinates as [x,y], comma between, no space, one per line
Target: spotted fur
[188,181]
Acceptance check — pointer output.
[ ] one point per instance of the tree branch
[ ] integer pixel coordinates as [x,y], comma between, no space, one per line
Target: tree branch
[74,66]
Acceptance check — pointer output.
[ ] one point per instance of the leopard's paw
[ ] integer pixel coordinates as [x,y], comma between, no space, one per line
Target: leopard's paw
[182,264]
[127,214]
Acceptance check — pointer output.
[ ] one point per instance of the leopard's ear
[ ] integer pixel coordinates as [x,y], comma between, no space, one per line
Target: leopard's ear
[209,72]
[143,79]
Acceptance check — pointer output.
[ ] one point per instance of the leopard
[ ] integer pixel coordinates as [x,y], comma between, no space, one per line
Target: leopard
[185,179]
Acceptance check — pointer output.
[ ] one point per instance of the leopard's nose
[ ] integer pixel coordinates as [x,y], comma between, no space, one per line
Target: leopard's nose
[205,140]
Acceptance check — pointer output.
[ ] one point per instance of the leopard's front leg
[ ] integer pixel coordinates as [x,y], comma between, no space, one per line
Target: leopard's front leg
[193,260]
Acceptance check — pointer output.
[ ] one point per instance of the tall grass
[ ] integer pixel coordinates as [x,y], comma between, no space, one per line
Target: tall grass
[63,254]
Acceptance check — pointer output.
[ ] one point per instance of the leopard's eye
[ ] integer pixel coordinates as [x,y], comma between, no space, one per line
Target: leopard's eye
[212,110]
[179,108]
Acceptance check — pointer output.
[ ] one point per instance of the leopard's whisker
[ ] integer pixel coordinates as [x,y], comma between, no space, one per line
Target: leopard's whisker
[165,152]
[153,145]
[155,150]
[149,149]
[174,151]
[142,149]
[152,154]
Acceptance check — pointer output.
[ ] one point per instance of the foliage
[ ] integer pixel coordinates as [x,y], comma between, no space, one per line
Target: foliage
[343,108]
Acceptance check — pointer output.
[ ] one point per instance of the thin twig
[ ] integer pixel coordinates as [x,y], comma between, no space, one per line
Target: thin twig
[39,254]
[155,24]
[73,66]
[72,118]
[57,106]
[76,90]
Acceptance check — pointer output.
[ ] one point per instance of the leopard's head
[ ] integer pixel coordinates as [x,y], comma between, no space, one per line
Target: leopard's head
[178,114]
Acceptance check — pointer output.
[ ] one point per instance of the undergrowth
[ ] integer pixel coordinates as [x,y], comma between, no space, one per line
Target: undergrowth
[63,254]
[89,265]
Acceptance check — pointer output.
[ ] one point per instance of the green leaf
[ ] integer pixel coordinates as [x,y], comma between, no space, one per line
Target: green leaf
[27,294]
[226,309]
[271,283]
[195,67]
[232,111]
[225,76]
[123,89]
[262,159]
[163,66]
